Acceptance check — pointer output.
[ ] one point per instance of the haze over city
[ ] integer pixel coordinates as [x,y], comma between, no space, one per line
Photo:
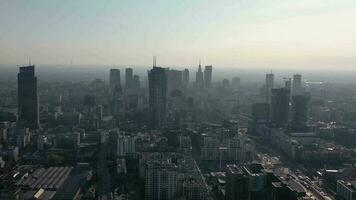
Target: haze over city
[278,34]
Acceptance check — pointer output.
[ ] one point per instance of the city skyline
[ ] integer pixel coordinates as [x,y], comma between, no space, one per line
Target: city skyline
[241,34]
[178,100]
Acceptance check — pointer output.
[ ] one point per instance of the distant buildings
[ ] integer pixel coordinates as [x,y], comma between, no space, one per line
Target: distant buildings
[208,75]
[175,78]
[199,78]
[136,81]
[115,91]
[128,78]
[157,80]
[269,86]
[115,81]
[27,97]
[235,82]
[297,85]
[186,78]
[226,83]
[288,84]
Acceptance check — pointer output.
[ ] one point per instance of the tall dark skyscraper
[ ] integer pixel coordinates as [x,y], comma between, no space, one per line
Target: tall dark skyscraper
[157,81]
[128,77]
[297,85]
[208,72]
[300,112]
[115,91]
[280,106]
[269,86]
[115,81]
[199,81]
[27,97]
[186,78]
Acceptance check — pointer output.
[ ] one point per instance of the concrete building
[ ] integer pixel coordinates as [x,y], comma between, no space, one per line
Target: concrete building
[121,144]
[125,145]
[160,180]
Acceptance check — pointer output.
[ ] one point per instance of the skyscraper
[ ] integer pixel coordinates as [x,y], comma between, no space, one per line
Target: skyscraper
[175,78]
[235,82]
[269,86]
[128,77]
[27,97]
[115,91]
[186,78]
[288,84]
[280,107]
[226,83]
[300,112]
[199,81]
[208,75]
[136,81]
[115,81]
[297,85]
[157,81]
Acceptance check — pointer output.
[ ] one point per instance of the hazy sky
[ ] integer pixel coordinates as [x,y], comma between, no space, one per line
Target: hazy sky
[308,34]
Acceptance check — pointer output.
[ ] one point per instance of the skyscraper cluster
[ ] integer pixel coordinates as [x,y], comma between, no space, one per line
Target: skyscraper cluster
[204,79]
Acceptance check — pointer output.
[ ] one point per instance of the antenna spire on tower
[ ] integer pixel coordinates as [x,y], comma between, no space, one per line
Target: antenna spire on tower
[154,61]
[29,61]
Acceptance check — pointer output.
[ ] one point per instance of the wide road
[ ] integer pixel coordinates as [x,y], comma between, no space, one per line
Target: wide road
[294,167]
